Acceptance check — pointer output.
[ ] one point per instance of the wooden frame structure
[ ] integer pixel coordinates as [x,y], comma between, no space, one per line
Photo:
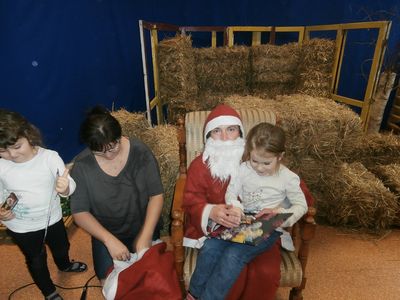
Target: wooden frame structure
[303,32]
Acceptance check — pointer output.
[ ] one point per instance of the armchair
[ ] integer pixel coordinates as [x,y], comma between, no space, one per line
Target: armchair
[293,264]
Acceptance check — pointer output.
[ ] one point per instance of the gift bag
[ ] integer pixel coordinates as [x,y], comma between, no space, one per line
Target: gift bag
[149,275]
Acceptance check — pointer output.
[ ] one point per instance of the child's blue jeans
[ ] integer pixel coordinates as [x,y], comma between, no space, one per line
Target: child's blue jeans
[219,264]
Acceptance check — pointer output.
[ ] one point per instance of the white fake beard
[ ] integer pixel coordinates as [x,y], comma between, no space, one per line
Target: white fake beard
[223,157]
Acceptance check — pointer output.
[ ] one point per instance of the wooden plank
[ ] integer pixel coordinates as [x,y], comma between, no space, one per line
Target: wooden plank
[256,38]
[341,36]
[347,100]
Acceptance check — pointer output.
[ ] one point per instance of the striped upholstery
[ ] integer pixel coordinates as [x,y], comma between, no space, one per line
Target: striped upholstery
[291,272]
[194,124]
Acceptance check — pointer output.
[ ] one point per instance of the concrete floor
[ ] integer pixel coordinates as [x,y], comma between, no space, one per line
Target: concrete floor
[341,266]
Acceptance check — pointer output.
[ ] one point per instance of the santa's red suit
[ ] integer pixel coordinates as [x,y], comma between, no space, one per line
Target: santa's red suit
[260,279]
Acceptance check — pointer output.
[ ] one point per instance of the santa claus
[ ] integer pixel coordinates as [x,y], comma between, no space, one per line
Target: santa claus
[204,201]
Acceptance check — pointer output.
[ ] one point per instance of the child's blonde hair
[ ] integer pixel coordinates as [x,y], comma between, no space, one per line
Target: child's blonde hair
[267,137]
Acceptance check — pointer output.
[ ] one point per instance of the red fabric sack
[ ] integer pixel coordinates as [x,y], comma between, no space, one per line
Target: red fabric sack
[152,277]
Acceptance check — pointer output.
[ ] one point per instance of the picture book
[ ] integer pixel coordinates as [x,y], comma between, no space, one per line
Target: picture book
[251,230]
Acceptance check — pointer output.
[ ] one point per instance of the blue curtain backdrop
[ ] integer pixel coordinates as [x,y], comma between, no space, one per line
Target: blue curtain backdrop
[58,58]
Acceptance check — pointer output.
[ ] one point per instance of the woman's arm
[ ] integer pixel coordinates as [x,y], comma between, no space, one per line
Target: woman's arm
[115,247]
[153,213]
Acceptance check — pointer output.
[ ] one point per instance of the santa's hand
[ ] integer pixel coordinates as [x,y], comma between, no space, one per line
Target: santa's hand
[224,215]
[62,183]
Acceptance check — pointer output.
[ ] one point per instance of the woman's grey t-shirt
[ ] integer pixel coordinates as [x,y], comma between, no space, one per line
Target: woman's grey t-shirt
[118,203]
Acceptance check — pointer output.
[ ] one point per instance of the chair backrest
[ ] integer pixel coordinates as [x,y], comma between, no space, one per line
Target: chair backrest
[194,124]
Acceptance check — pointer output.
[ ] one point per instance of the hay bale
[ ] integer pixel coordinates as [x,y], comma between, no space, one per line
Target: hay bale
[316,127]
[163,141]
[222,70]
[177,110]
[377,149]
[133,124]
[356,198]
[274,69]
[315,69]
[176,64]
[390,176]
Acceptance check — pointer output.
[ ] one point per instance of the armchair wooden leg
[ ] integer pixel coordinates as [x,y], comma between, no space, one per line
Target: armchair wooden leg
[296,294]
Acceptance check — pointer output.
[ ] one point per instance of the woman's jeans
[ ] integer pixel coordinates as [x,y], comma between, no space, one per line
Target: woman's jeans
[102,259]
[31,245]
[219,264]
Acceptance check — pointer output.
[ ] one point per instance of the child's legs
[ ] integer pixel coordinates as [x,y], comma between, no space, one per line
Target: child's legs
[231,263]
[207,258]
[31,246]
[57,240]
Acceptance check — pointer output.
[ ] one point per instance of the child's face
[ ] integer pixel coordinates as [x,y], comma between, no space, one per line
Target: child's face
[264,163]
[21,151]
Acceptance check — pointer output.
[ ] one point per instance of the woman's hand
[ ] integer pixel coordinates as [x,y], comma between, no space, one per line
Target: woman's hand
[62,183]
[226,215]
[117,249]
[141,243]
[6,214]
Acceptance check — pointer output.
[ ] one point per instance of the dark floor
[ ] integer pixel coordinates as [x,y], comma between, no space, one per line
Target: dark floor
[340,266]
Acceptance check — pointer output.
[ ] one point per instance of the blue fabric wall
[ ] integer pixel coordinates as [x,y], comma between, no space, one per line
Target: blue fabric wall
[58,58]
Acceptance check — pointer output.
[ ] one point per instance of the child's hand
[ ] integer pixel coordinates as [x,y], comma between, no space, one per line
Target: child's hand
[236,214]
[62,183]
[6,214]
[266,212]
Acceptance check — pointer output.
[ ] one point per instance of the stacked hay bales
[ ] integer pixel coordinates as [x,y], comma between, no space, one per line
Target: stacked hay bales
[176,63]
[223,70]
[133,124]
[377,149]
[354,197]
[390,176]
[163,141]
[315,69]
[315,127]
[321,135]
[274,69]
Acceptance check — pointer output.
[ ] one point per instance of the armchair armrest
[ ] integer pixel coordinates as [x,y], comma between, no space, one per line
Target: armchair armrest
[302,233]
[177,226]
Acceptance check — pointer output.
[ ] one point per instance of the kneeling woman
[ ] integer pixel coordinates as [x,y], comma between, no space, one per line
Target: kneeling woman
[119,194]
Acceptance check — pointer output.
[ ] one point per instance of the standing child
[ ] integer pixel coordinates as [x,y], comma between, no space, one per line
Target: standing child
[37,176]
[265,186]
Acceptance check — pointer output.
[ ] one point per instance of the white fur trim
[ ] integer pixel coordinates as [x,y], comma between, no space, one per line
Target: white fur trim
[205,216]
[192,243]
[222,121]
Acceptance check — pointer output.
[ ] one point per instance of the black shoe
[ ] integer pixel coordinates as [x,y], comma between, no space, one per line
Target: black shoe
[76,266]
[54,296]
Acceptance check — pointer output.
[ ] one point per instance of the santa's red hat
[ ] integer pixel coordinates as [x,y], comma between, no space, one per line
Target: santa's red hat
[222,115]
